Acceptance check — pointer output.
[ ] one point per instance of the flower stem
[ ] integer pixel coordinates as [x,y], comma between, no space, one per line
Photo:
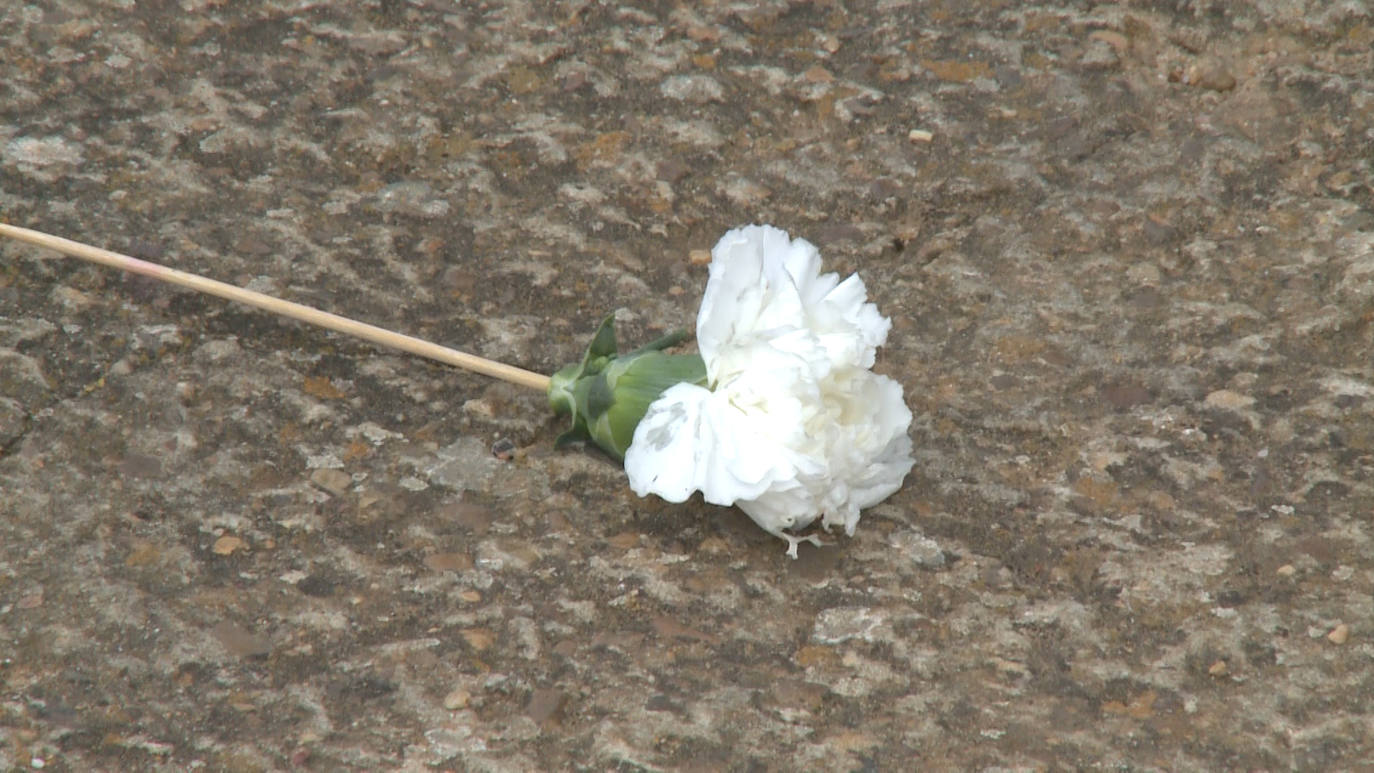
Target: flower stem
[296,311]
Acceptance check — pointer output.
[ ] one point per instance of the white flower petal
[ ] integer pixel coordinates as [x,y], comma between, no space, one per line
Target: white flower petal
[850,328]
[662,457]
[693,439]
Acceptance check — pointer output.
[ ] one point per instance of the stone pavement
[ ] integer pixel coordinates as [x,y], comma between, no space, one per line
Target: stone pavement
[1128,250]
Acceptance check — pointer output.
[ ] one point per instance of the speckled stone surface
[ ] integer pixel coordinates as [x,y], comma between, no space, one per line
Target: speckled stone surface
[1128,250]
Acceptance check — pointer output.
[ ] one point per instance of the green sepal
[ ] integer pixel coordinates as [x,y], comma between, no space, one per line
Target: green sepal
[635,381]
[571,437]
[563,385]
[600,398]
[603,343]
[606,395]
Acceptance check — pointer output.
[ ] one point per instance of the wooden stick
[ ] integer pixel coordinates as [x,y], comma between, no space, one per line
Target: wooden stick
[283,308]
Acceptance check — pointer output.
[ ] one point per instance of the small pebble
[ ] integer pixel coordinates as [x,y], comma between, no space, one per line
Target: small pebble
[1208,75]
[478,638]
[1228,400]
[1114,39]
[335,482]
[227,545]
[699,257]
[1339,634]
[503,449]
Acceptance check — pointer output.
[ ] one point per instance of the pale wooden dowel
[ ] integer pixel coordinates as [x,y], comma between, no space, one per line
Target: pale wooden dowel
[283,308]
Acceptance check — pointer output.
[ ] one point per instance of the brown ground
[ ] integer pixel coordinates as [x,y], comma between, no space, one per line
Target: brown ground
[1128,250]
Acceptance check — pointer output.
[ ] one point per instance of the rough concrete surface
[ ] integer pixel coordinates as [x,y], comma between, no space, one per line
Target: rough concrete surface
[1128,250]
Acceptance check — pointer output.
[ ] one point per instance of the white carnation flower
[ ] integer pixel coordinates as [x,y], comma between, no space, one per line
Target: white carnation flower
[792,425]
